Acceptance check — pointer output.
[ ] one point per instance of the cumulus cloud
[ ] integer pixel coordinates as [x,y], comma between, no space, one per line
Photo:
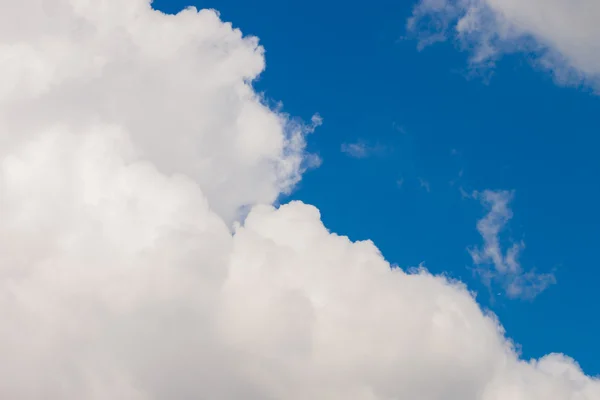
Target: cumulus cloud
[506,267]
[563,35]
[130,140]
[177,86]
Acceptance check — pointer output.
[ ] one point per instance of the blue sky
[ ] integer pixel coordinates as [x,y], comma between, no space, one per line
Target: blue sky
[437,128]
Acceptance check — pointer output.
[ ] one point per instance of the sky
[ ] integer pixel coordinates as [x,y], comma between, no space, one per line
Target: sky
[286,201]
[424,119]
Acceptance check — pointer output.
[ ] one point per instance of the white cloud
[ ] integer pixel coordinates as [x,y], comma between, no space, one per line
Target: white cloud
[356,150]
[563,35]
[79,62]
[361,149]
[130,139]
[506,267]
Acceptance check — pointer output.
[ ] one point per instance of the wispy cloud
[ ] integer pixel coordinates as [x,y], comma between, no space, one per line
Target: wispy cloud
[458,177]
[399,128]
[495,264]
[361,149]
[356,150]
[561,36]
[425,185]
[464,194]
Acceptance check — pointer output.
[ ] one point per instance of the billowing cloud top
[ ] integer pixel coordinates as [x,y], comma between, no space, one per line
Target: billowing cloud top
[130,140]
[177,87]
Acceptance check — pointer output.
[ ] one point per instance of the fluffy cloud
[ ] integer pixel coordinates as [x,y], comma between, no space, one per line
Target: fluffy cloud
[177,86]
[564,35]
[506,267]
[130,141]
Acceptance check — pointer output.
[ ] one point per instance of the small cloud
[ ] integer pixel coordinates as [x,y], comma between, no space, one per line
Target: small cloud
[400,182]
[316,120]
[356,150]
[458,177]
[503,265]
[425,185]
[399,128]
[361,149]
[464,194]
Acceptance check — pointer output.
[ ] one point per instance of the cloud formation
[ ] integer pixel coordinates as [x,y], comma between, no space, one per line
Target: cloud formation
[506,267]
[361,149]
[176,86]
[562,35]
[424,185]
[130,141]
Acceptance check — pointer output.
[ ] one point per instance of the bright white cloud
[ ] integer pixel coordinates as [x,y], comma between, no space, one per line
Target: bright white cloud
[564,35]
[506,267]
[178,86]
[130,139]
